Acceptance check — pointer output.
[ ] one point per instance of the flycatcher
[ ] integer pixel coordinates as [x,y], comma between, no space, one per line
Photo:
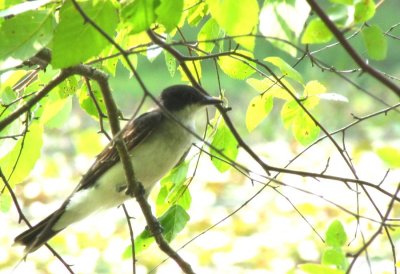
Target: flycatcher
[155,143]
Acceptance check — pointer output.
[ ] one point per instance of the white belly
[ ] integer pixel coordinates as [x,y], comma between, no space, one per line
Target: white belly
[151,160]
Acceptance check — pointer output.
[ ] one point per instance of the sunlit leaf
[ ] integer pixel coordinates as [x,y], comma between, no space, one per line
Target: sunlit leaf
[336,235]
[223,142]
[271,87]
[333,97]
[364,10]
[73,32]
[390,156]
[233,17]
[194,68]
[88,142]
[319,269]
[304,129]
[87,103]
[209,31]
[173,188]
[285,68]
[197,11]
[288,112]
[259,108]
[316,32]
[334,256]
[19,162]
[24,35]
[236,67]
[23,7]
[139,14]
[169,13]
[375,42]
[56,112]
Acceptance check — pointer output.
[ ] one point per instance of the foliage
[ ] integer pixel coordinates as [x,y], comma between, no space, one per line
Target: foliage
[256,52]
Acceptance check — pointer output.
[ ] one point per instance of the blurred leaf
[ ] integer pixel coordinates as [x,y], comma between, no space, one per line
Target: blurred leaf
[336,235]
[234,67]
[333,97]
[5,202]
[259,108]
[271,87]
[364,10]
[316,33]
[88,142]
[375,42]
[285,68]
[197,11]
[288,112]
[209,31]
[390,156]
[304,129]
[319,269]
[22,158]
[225,142]
[313,88]
[169,13]
[56,112]
[74,33]
[334,256]
[139,14]
[23,36]
[194,68]
[68,87]
[170,62]
[233,17]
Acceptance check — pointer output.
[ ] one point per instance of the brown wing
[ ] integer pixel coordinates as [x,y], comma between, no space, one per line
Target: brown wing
[133,133]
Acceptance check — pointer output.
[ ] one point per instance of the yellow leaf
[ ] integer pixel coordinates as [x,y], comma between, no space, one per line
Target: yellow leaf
[259,107]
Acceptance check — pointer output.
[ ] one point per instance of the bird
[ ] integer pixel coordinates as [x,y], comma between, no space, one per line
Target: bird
[155,142]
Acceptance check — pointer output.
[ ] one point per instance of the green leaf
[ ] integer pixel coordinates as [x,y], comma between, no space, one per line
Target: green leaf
[258,109]
[235,17]
[316,33]
[375,42]
[169,13]
[364,10]
[19,162]
[336,235]
[194,68]
[88,142]
[5,202]
[334,256]
[170,62]
[209,31]
[75,40]
[390,156]
[86,101]
[139,14]
[56,112]
[24,35]
[271,87]
[304,129]
[172,222]
[319,269]
[173,189]
[197,11]
[311,93]
[285,68]
[234,66]
[225,142]
[289,111]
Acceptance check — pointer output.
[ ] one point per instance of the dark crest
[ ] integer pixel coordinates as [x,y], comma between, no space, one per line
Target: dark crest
[177,97]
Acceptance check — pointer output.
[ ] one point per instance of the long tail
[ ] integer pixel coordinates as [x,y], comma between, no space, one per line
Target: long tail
[38,235]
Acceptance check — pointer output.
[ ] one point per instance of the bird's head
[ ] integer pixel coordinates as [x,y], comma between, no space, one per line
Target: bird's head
[182,97]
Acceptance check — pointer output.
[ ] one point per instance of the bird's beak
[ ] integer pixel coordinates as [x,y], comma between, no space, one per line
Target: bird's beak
[209,100]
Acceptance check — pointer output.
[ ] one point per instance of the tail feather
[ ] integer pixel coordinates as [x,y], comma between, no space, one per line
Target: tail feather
[38,235]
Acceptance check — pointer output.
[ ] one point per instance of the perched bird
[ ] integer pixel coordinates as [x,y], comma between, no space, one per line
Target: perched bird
[155,143]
